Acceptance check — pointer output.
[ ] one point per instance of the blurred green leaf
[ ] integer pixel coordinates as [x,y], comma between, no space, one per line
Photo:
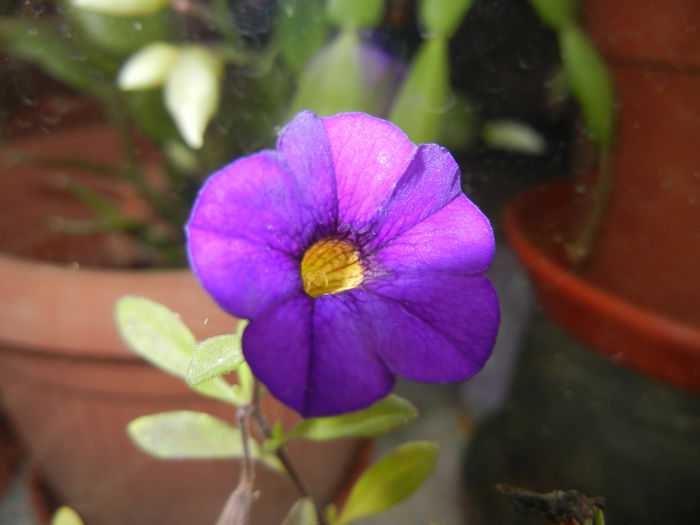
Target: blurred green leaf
[442,17]
[301,29]
[66,516]
[122,7]
[515,136]
[122,35]
[422,102]
[390,480]
[147,108]
[332,82]
[589,82]
[384,416]
[243,391]
[556,13]
[356,13]
[192,92]
[149,67]
[459,127]
[216,356]
[159,335]
[43,42]
[301,513]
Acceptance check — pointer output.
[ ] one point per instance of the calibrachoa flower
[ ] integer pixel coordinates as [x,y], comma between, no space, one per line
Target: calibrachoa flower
[356,257]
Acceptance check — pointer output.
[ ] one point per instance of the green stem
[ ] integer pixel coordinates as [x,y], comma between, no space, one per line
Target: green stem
[579,250]
[281,454]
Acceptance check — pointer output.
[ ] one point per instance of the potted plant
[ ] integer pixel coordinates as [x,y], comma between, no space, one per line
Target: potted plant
[610,254]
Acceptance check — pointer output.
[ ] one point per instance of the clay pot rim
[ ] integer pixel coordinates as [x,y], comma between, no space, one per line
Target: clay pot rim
[556,282]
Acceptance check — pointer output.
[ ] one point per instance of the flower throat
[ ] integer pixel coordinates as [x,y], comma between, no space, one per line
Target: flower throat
[331,266]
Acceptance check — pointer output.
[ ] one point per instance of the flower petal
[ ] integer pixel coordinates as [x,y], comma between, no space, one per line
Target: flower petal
[436,328]
[429,183]
[304,144]
[458,238]
[257,198]
[370,155]
[244,277]
[324,363]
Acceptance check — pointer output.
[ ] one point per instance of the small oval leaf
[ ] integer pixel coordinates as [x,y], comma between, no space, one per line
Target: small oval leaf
[382,417]
[185,434]
[390,480]
[301,513]
[216,356]
[512,135]
[192,92]
[66,516]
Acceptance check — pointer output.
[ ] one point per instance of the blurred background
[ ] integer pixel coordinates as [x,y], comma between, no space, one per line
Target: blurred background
[575,125]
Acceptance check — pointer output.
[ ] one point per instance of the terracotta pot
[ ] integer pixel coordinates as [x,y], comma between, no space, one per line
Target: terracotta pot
[70,385]
[536,225]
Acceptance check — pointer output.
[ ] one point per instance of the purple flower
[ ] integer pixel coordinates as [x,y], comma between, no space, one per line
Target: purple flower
[356,258]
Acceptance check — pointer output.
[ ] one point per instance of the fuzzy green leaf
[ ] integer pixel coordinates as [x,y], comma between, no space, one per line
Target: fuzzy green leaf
[186,435]
[421,104]
[390,480]
[155,333]
[216,356]
[384,416]
[302,513]
[159,336]
[301,28]
[589,82]
[442,17]
[356,13]
[66,516]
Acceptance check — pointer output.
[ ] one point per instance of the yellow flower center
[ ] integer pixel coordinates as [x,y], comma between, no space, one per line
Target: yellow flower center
[330,266]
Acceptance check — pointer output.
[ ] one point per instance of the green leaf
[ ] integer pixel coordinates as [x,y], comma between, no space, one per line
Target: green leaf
[301,28]
[332,82]
[390,480]
[589,82]
[185,434]
[66,516]
[192,92]
[512,135]
[122,7]
[301,513]
[556,13]
[159,336]
[356,13]
[384,416]
[43,43]
[442,17]
[422,102]
[216,356]
[155,333]
[149,67]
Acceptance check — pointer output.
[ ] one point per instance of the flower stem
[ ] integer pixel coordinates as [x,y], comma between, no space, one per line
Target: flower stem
[281,454]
